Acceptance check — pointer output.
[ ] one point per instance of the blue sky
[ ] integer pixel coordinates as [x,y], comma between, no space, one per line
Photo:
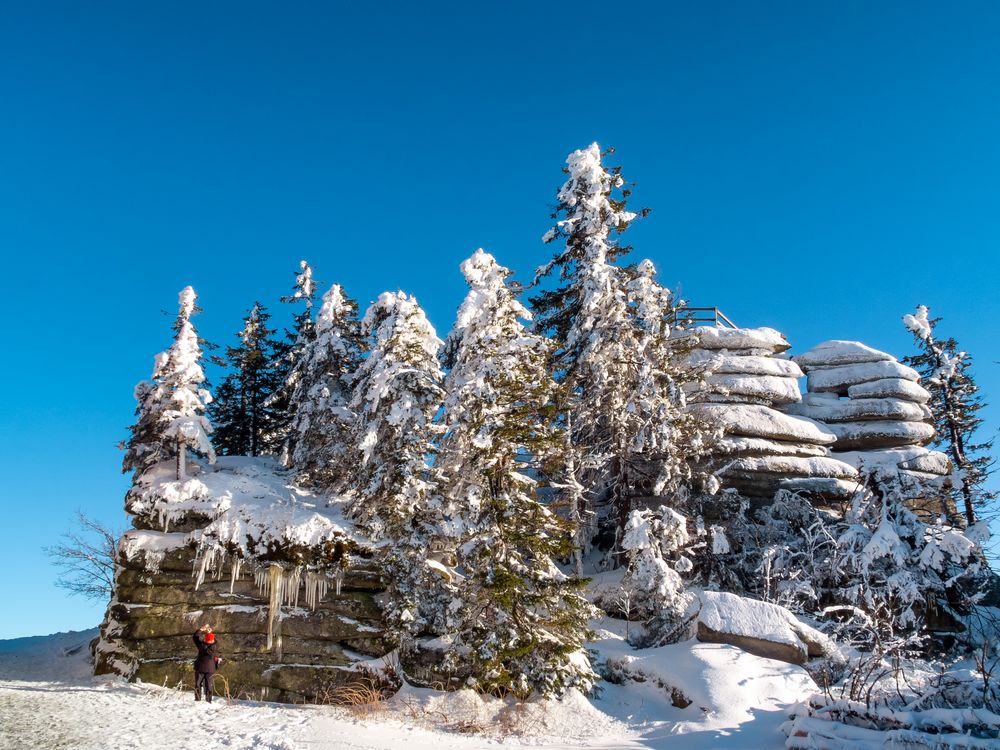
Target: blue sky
[816,167]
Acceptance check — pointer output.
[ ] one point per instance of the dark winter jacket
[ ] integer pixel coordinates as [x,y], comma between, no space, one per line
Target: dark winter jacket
[205,661]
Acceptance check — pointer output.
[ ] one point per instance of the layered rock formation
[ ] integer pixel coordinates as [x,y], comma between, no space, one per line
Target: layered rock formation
[263,563]
[863,411]
[761,449]
[877,409]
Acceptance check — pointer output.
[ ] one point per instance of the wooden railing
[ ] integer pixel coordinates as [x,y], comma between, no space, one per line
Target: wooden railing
[702,316]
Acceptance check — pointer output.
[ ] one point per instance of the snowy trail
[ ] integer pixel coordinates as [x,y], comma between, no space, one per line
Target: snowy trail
[55,715]
[49,700]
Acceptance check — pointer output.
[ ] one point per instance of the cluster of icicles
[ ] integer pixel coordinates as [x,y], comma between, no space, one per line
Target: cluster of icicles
[281,585]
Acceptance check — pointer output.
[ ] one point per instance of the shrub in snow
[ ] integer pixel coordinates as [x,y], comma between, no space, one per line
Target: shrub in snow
[892,567]
[955,403]
[652,589]
[319,434]
[246,421]
[170,416]
[516,623]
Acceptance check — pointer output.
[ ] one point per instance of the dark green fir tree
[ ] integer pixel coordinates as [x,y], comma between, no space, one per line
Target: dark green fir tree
[956,404]
[246,421]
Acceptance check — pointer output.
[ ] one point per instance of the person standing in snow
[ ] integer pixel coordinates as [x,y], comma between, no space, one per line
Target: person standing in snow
[205,663]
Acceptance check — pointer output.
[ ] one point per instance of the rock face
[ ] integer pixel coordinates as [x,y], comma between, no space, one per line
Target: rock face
[877,410]
[761,449]
[292,647]
[872,403]
[862,411]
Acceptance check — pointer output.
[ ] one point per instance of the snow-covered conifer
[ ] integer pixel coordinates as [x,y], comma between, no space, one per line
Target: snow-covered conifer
[513,614]
[170,417]
[288,352]
[319,435]
[590,217]
[955,404]
[245,419]
[397,393]
[589,317]
[614,350]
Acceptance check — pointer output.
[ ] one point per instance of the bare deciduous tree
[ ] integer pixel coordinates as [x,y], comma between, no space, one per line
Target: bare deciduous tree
[86,558]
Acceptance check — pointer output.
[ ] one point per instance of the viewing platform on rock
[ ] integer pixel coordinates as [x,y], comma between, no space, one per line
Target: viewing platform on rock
[701,316]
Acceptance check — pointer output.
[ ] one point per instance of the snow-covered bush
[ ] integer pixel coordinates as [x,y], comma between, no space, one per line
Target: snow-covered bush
[652,589]
[892,567]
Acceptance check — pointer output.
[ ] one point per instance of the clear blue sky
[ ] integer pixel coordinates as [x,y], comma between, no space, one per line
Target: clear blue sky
[816,167]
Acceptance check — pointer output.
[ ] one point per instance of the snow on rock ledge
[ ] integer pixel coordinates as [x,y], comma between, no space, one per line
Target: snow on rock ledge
[757,421]
[839,379]
[762,389]
[828,407]
[887,463]
[899,388]
[760,628]
[835,353]
[881,434]
[752,340]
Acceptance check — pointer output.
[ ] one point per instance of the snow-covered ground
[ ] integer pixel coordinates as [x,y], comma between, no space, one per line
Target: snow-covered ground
[48,699]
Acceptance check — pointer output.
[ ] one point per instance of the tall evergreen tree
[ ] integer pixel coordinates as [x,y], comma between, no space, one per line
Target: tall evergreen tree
[517,617]
[245,420]
[956,402]
[288,352]
[317,443]
[614,351]
[591,217]
[170,416]
[397,393]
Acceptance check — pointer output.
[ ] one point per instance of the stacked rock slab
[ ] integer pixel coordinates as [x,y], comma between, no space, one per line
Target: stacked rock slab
[761,449]
[157,606]
[875,406]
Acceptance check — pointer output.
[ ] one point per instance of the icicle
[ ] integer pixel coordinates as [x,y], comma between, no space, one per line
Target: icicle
[316,588]
[338,578]
[206,560]
[291,593]
[234,572]
[272,582]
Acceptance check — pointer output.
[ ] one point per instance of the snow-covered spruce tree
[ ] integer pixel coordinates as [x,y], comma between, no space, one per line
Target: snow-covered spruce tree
[614,351]
[588,316]
[664,436]
[289,351]
[396,395]
[317,445]
[246,422]
[170,416]
[518,622]
[956,402]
